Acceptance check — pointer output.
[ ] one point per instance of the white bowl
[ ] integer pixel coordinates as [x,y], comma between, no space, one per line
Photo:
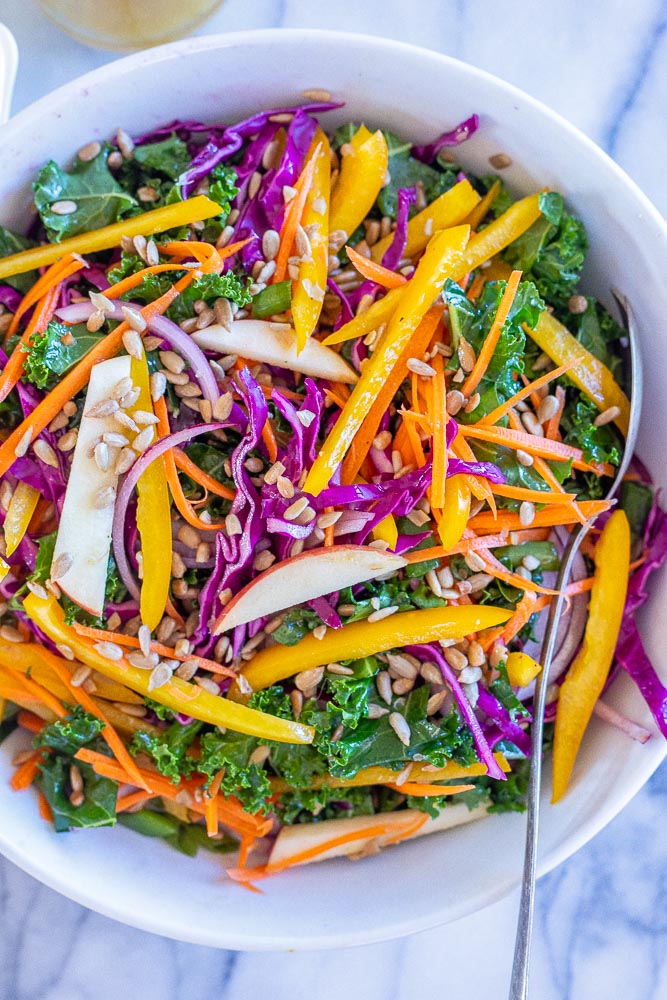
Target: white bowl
[416,93]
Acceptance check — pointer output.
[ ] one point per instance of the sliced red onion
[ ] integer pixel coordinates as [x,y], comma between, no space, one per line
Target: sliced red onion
[627,726]
[160,326]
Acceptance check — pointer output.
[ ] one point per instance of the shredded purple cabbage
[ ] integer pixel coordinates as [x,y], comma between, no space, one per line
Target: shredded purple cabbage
[429,652]
[505,728]
[394,252]
[454,137]
[10,298]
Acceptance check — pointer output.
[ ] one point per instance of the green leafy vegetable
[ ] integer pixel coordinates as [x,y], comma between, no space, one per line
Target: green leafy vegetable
[168,749]
[99,198]
[636,501]
[316,804]
[49,357]
[222,187]
[248,782]
[599,444]
[169,157]
[295,625]
[405,171]
[67,735]
[598,333]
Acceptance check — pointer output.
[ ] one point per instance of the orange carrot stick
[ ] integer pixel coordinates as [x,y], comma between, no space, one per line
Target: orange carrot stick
[493,336]
[374,272]
[438,424]
[191,469]
[52,276]
[36,690]
[495,415]
[39,321]
[133,799]
[509,521]
[24,775]
[293,214]
[45,810]
[30,721]
[551,427]
[269,439]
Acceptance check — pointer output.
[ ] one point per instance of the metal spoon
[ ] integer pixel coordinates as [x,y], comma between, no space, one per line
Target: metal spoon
[8,63]
[520,965]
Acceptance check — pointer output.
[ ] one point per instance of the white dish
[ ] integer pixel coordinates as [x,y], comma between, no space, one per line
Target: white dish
[416,93]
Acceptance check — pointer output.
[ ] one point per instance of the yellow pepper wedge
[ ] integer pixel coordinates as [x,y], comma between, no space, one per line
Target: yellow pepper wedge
[4,568]
[362,174]
[590,375]
[365,638]
[313,271]
[481,247]
[522,669]
[19,513]
[176,694]
[442,257]
[455,513]
[181,213]
[385,776]
[450,209]
[589,670]
[386,531]
[153,518]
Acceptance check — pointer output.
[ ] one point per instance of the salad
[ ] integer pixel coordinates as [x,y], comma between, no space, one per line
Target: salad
[294,425]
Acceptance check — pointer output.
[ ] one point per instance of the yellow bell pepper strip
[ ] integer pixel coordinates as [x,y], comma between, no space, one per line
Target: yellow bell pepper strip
[19,513]
[588,672]
[521,669]
[438,418]
[450,209]
[181,213]
[373,318]
[362,173]
[441,257]
[589,373]
[385,776]
[4,570]
[478,214]
[176,694]
[455,512]
[360,137]
[386,531]
[306,298]
[481,247]
[365,638]
[37,661]
[153,518]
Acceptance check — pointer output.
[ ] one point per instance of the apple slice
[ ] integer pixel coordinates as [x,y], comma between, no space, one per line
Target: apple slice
[84,532]
[275,344]
[304,577]
[294,840]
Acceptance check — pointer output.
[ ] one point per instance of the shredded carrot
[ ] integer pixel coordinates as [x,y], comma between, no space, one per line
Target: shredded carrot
[133,799]
[476,286]
[479,487]
[133,280]
[52,276]
[191,469]
[45,810]
[24,775]
[30,721]
[329,530]
[101,635]
[532,496]
[37,691]
[335,398]
[496,568]
[269,439]
[509,438]
[526,607]
[509,521]
[230,811]
[109,734]
[493,336]
[39,321]
[413,438]
[379,829]
[211,814]
[75,380]
[369,428]
[247,844]
[374,272]
[495,415]
[551,426]
[293,213]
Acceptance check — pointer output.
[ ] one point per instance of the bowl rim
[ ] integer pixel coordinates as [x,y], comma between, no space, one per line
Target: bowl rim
[654,755]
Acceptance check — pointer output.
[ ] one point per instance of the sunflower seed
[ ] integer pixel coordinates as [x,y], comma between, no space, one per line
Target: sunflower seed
[102,456]
[144,637]
[124,143]
[476,654]
[500,161]
[161,675]
[577,304]
[526,513]
[270,244]
[172,361]
[124,461]
[65,207]
[454,400]
[455,658]
[532,424]
[45,453]
[383,685]
[547,409]
[109,650]
[143,440]
[138,659]
[377,616]
[523,458]
[435,702]
[132,343]
[105,497]
[611,413]
[115,440]
[420,368]
[400,727]
[89,151]
[158,385]
[105,408]
[466,355]
[144,418]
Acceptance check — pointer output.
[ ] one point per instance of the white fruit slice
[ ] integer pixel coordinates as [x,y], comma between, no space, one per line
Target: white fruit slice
[84,532]
[304,577]
[292,840]
[275,344]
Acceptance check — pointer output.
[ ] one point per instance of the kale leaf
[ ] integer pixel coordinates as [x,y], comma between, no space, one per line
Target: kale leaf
[222,188]
[295,625]
[230,752]
[599,444]
[405,171]
[48,357]
[316,804]
[63,738]
[636,501]
[168,156]
[99,198]
[597,331]
[168,749]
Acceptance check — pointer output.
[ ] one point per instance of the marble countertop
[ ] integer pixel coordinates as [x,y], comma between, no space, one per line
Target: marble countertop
[601,928]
